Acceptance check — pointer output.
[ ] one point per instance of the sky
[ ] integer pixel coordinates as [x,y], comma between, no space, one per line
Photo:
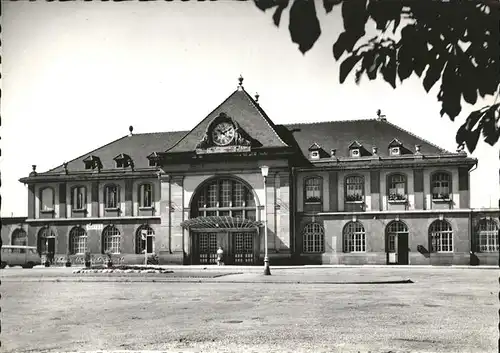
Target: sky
[76,75]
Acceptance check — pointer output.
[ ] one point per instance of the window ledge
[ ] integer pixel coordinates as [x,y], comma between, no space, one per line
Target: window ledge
[313,202]
[79,210]
[47,211]
[112,209]
[398,201]
[354,202]
[148,208]
[441,200]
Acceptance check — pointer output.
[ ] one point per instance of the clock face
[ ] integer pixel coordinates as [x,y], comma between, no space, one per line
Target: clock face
[223,133]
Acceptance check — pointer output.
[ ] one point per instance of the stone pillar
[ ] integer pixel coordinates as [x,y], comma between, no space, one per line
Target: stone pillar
[177,214]
[94,199]
[334,189]
[271,224]
[62,200]
[463,187]
[162,234]
[128,197]
[418,189]
[31,201]
[284,212]
[376,200]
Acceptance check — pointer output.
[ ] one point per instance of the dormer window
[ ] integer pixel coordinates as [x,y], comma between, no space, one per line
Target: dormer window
[355,149]
[396,148]
[153,159]
[92,162]
[315,151]
[123,161]
[395,151]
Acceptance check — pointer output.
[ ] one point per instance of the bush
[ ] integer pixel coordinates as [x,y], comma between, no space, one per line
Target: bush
[153,259]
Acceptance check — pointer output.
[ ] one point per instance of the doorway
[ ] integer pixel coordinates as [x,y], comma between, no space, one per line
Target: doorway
[239,247]
[397,243]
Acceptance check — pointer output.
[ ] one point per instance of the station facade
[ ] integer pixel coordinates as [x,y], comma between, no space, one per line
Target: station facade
[337,192]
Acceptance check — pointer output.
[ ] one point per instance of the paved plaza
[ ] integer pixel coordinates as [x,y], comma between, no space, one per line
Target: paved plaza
[223,310]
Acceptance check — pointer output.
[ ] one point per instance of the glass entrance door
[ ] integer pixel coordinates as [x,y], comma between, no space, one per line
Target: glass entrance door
[243,245]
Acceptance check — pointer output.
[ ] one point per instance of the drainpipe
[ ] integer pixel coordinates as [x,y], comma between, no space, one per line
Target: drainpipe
[471,230]
[293,209]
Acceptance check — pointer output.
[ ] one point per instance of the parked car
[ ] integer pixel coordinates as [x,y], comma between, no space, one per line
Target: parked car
[19,255]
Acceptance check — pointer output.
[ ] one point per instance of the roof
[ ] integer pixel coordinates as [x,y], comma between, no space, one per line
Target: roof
[246,112]
[137,146]
[339,135]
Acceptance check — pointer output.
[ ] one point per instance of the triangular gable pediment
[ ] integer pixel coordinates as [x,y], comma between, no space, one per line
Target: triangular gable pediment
[315,147]
[355,144]
[253,127]
[395,143]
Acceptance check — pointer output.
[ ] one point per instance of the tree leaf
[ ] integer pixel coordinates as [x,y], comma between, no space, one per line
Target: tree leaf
[355,15]
[405,64]
[304,24]
[339,47]
[329,4]
[265,4]
[277,14]
[450,94]
[489,123]
[433,73]
[347,66]
[389,70]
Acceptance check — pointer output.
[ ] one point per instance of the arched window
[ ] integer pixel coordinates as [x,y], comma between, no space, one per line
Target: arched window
[111,196]
[396,186]
[354,237]
[354,188]
[111,240]
[145,195]
[313,189]
[441,186]
[144,239]
[393,229]
[487,236]
[19,237]
[224,197]
[314,238]
[441,236]
[47,199]
[79,198]
[77,241]
[46,241]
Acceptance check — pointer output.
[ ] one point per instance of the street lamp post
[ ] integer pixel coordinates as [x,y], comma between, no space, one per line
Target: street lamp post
[267,271]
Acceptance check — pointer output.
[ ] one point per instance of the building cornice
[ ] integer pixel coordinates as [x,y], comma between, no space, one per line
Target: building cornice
[91,219]
[88,176]
[402,213]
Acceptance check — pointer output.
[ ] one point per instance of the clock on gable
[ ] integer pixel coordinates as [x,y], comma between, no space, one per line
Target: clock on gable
[223,133]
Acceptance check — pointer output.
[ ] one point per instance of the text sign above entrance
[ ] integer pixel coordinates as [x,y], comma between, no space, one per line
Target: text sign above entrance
[94,227]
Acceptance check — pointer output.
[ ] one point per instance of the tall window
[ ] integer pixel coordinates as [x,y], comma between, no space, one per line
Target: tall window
[354,237]
[111,240]
[19,237]
[313,189]
[397,187]
[77,240]
[46,240]
[224,197]
[393,229]
[354,188]
[47,199]
[111,196]
[441,236]
[146,195]
[487,236]
[441,185]
[144,239]
[79,198]
[314,238]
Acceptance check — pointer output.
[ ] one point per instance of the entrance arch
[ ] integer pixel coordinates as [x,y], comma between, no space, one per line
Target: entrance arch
[396,243]
[223,212]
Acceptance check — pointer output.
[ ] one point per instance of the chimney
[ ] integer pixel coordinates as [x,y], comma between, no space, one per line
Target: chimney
[130,129]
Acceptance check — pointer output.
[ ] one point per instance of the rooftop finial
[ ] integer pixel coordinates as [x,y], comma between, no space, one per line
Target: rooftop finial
[240,79]
[257,97]
[380,116]
[130,129]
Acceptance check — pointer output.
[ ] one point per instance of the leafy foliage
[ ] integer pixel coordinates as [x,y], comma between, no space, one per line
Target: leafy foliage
[455,42]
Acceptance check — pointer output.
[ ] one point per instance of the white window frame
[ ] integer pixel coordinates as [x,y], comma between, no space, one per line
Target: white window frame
[78,241]
[441,237]
[313,239]
[111,240]
[354,236]
[487,236]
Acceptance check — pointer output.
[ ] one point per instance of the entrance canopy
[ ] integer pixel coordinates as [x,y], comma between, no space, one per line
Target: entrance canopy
[220,222]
